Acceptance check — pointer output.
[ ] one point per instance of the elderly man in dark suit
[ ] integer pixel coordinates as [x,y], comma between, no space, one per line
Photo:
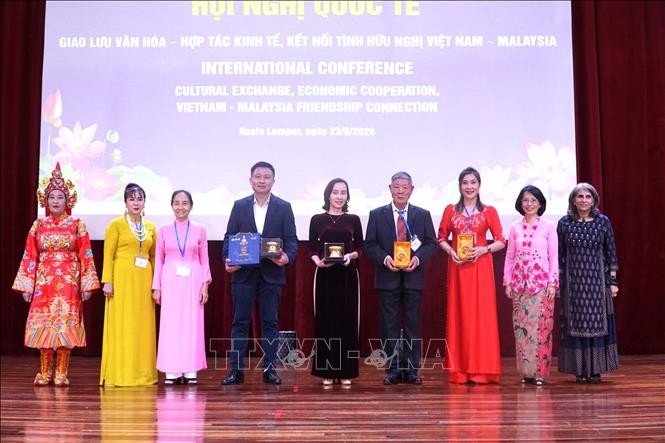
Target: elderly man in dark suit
[272,217]
[400,287]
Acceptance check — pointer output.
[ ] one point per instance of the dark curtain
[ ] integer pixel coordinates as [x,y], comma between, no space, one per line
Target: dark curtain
[619,69]
[22,43]
[619,106]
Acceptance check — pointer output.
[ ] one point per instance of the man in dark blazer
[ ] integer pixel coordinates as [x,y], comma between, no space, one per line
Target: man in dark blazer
[400,287]
[271,217]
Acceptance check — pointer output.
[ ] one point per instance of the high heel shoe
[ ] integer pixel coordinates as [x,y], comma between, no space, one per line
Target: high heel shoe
[328,381]
[345,381]
[539,381]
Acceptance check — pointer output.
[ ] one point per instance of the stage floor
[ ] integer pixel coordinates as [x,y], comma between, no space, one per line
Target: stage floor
[628,405]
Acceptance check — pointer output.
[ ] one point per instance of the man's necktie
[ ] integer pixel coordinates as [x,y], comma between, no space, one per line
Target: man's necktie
[401,227]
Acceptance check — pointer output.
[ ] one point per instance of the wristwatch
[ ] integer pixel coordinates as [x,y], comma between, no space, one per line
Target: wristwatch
[489,250]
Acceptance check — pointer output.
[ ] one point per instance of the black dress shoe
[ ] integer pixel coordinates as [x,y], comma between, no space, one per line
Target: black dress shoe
[412,378]
[235,377]
[270,377]
[392,378]
[594,379]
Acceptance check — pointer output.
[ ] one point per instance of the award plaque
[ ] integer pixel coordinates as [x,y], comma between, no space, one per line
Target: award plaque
[270,247]
[402,254]
[333,252]
[244,249]
[465,244]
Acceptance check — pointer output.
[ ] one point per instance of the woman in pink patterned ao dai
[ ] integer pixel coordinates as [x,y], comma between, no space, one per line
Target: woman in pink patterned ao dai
[530,277]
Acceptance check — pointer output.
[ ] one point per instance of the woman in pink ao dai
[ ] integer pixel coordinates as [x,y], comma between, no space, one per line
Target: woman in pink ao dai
[530,277]
[180,286]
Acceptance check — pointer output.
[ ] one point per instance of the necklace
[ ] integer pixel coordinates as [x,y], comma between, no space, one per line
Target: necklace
[138,228]
[334,219]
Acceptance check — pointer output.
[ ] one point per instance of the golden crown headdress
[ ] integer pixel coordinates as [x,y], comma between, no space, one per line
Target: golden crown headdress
[57,183]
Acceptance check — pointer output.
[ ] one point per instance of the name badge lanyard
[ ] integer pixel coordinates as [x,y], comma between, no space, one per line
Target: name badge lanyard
[406,223]
[469,217]
[177,237]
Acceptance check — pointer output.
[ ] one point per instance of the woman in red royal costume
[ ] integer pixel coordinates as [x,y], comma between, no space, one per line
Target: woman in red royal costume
[56,274]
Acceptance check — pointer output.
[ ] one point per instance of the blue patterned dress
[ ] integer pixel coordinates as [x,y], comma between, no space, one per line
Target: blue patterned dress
[587,333]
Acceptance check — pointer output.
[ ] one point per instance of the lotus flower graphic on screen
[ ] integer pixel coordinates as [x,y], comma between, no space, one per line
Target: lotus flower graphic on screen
[497,189]
[84,158]
[52,109]
[98,184]
[78,146]
[552,170]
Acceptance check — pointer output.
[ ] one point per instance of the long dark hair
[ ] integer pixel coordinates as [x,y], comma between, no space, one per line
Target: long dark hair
[328,190]
[459,207]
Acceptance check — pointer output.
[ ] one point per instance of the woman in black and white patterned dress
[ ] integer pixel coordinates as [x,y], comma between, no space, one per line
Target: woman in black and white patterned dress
[588,268]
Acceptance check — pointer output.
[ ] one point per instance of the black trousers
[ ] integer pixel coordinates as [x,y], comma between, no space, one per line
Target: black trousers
[390,318]
[244,296]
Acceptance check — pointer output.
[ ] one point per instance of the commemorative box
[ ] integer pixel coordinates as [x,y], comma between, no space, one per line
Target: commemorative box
[465,244]
[402,254]
[244,249]
[333,252]
[271,247]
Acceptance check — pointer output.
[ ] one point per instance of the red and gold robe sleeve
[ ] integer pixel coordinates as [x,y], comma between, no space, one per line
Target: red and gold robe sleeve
[27,270]
[89,280]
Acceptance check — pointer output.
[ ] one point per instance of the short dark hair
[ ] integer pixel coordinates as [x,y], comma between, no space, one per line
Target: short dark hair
[533,190]
[572,209]
[328,191]
[459,207]
[133,188]
[189,196]
[262,165]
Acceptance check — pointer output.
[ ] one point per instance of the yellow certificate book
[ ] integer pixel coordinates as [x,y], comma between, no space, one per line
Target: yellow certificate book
[402,254]
[465,243]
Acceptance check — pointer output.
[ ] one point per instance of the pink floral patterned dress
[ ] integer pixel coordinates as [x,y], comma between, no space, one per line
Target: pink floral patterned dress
[531,266]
